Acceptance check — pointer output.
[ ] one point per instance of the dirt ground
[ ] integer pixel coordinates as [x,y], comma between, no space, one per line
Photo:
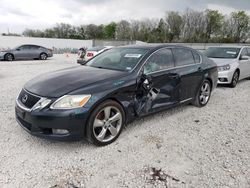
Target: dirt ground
[182,147]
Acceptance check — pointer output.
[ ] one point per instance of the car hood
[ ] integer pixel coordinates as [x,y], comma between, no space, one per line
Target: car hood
[221,61]
[58,83]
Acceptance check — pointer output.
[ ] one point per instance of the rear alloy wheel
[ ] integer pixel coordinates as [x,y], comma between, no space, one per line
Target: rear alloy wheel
[8,57]
[203,95]
[235,79]
[43,56]
[106,123]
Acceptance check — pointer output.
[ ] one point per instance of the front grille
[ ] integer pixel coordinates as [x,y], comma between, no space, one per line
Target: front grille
[28,99]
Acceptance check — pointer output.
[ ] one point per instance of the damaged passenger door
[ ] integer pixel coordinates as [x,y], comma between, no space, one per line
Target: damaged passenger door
[159,83]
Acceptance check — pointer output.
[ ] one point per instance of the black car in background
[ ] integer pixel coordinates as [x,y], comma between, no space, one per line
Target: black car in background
[96,100]
[25,52]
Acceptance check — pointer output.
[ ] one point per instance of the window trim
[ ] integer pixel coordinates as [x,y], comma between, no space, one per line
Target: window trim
[175,67]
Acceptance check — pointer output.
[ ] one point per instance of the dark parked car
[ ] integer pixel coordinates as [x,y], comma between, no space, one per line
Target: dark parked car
[95,101]
[26,52]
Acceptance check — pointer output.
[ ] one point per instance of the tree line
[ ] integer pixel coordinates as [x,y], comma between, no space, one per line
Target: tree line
[190,26]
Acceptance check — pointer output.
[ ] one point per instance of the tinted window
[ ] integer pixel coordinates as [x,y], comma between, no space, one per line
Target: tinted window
[244,52]
[221,52]
[123,59]
[162,59]
[34,47]
[183,56]
[197,57]
[24,47]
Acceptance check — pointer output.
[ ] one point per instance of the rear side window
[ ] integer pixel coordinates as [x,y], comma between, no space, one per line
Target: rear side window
[183,57]
[197,57]
[160,60]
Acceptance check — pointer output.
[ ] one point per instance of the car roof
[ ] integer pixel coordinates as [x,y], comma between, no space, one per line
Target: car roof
[154,46]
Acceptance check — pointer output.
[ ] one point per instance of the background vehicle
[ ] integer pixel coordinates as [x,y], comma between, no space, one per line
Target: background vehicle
[91,52]
[95,101]
[233,63]
[27,51]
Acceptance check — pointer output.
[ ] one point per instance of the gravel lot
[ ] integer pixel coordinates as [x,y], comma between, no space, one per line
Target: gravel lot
[181,147]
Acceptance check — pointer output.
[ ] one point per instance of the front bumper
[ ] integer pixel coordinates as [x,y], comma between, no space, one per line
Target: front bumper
[225,77]
[1,57]
[43,123]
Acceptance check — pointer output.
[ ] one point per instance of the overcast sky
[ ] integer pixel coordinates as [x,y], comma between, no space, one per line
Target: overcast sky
[16,15]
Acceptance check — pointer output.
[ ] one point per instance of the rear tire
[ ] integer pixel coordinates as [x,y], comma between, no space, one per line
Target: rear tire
[235,79]
[203,94]
[105,123]
[9,57]
[43,56]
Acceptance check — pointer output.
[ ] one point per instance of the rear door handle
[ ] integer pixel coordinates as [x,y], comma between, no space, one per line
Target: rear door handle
[173,76]
[200,69]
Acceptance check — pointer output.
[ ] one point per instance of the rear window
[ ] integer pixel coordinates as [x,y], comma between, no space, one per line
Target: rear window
[183,57]
[96,49]
[197,57]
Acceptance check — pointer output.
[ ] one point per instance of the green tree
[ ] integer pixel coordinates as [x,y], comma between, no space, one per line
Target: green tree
[240,22]
[109,30]
[214,22]
[174,23]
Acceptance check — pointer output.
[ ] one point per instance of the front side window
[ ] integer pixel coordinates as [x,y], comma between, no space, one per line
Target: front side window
[122,59]
[244,52]
[183,57]
[223,53]
[160,60]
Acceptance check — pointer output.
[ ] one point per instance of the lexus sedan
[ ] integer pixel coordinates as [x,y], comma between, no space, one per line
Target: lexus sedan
[26,52]
[114,88]
[233,63]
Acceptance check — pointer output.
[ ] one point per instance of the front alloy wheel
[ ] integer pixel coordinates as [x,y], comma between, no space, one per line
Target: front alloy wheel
[8,57]
[235,79]
[106,123]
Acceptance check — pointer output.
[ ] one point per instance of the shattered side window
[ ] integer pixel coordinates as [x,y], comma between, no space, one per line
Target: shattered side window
[160,60]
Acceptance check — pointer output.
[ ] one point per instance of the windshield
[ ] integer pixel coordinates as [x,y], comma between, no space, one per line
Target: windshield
[218,52]
[123,59]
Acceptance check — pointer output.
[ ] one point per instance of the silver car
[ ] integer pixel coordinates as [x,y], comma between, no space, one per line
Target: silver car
[26,51]
[233,63]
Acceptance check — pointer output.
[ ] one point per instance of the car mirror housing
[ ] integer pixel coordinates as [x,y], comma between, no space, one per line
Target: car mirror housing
[18,49]
[244,57]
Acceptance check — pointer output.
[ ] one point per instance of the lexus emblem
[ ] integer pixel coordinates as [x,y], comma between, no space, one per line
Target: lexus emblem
[25,98]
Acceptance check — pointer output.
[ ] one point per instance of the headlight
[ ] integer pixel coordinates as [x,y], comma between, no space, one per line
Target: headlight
[224,68]
[70,102]
[41,104]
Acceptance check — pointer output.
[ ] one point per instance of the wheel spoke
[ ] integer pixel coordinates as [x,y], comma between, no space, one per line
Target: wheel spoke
[115,118]
[98,123]
[107,111]
[102,134]
[113,130]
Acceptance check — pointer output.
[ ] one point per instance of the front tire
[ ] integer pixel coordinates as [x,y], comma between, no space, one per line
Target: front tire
[203,95]
[9,57]
[235,79]
[105,123]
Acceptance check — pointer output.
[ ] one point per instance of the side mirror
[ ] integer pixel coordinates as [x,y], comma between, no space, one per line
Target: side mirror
[146,82]
[244,57]
[18,49]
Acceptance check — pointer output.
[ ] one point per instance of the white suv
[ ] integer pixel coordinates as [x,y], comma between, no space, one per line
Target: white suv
[233,63]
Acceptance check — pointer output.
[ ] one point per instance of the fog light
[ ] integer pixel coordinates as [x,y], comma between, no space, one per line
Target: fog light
[223,79]
[60,131]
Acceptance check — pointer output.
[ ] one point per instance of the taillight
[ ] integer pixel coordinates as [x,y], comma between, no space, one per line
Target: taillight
[90,54]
